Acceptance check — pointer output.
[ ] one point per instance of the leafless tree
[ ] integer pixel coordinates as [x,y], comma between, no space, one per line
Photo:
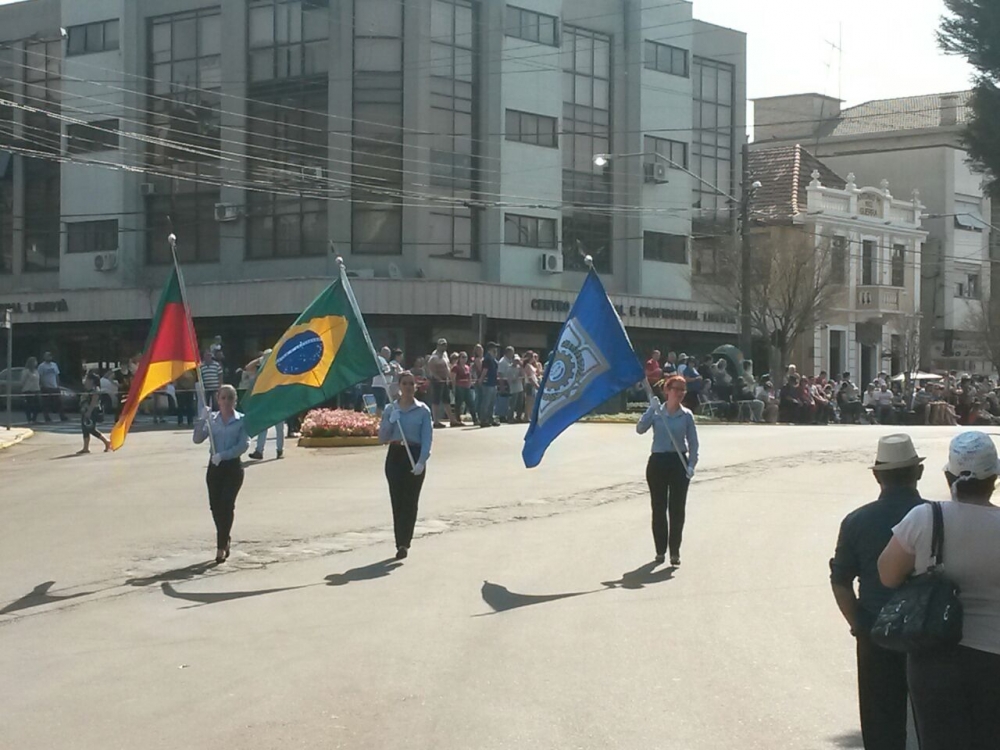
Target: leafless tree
[791,285]
[984,322]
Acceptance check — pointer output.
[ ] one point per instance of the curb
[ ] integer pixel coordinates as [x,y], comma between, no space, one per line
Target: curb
[20,438]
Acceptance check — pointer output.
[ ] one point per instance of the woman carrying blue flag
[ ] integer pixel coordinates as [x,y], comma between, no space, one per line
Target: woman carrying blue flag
[408,429]
[671,465]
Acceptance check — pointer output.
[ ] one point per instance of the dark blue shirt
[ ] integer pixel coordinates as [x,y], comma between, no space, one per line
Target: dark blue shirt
[489,370]
[863,536]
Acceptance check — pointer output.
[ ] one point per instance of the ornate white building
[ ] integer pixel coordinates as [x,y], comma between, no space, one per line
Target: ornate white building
[873,242]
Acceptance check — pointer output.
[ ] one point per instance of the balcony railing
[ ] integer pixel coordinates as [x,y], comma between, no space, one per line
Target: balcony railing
[880,298]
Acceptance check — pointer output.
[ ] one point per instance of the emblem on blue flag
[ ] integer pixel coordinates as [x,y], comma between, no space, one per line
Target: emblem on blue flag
[593,361]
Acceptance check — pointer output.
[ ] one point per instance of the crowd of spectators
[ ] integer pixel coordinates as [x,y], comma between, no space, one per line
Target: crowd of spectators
[715,388]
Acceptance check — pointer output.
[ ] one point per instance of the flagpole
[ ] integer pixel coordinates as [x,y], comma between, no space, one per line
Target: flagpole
[200,394]
[368,340]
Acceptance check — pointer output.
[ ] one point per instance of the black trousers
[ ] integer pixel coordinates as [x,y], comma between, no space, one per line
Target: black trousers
[668,483]
[882,695]
[185,406]
[956,698]
[404,491]
[224,482]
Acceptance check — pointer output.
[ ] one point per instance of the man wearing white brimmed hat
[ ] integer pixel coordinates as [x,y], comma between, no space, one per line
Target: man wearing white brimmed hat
[882,691]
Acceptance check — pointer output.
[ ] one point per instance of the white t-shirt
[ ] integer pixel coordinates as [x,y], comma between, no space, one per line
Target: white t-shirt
[971,560]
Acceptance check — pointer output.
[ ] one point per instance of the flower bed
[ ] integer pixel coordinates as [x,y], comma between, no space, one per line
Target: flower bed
[339,423]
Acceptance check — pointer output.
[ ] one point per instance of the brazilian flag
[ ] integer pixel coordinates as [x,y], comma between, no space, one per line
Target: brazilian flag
[326,351]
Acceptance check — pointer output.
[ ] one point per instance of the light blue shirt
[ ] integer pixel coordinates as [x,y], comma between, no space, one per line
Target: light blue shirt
[681,426]
[230,438]
[416,424]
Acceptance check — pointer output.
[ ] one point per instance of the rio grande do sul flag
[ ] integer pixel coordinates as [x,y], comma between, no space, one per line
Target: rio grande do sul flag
[326,351]
[171,350]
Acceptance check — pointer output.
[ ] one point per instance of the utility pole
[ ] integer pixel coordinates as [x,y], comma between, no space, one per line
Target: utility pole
[8,323]
[747,191]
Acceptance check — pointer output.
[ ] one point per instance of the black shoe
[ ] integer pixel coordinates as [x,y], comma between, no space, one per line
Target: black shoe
[256,456]
[401,553]
[281,454]
[675,560]
[660,559]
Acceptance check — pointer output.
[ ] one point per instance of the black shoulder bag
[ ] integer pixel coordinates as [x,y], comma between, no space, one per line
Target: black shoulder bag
[925,613]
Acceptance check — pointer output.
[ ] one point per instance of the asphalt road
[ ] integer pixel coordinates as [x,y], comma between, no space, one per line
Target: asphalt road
[528,615]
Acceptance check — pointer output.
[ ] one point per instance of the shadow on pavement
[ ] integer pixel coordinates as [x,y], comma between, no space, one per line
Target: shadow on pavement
[381,569]
[849,740]
[200,600]
[178,574]
[501,599]
[641,577]
[259,462]
[39,596]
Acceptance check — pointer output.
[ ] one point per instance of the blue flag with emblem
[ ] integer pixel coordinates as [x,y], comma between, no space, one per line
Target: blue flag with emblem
[592,362]
[326,351]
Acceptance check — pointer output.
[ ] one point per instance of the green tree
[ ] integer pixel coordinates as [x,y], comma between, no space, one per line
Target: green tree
[973,31]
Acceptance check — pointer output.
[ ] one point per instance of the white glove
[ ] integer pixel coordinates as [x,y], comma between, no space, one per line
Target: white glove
[419,468]
[654,403]
[690,472]
[393,415]
[216,459]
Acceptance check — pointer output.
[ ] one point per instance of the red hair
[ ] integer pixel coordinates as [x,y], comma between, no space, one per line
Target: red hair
[673,380]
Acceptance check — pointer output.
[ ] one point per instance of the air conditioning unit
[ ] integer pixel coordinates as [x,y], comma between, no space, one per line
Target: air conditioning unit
[552,263]
[227,212]
[147,188]
[314,173]
[106,261]
[656,173]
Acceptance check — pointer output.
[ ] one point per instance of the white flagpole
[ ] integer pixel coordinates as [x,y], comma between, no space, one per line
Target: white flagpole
[200,392]
[346,282]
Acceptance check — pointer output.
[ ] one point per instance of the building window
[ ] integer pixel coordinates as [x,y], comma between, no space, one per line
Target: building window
[667,59]
[288,39]
[286,227]
[454,146]
[532,26]
[42,91]
[586,132]
[969,288]
[838,260]
[92,37]
[41,215]
[453,231]
[529,231]
[538,130]
[92,236]
[675,151]
[189,215]
[665,248]
[101,135]
[713,139]
[287,150]
[869,263]
[377,209]
[6,215]
[899,265]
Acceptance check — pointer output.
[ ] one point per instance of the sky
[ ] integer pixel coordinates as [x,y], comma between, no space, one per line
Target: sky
[888,48]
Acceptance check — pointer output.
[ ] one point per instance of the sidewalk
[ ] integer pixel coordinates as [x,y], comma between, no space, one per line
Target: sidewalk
[14,436]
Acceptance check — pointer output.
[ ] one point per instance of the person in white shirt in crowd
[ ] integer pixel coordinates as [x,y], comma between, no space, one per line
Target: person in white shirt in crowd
[31,390]
[395,370]
[48,375]
[439,373]
[956,691]
[211,377]
[883,404]
[515,404]
[109,393]
[504,367]
[279,429]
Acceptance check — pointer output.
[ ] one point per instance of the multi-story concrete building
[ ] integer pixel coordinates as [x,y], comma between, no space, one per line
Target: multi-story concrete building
[915,144]
[445,148]
[870,246]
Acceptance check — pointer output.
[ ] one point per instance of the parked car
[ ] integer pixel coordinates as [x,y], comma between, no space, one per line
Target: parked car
[70,398]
